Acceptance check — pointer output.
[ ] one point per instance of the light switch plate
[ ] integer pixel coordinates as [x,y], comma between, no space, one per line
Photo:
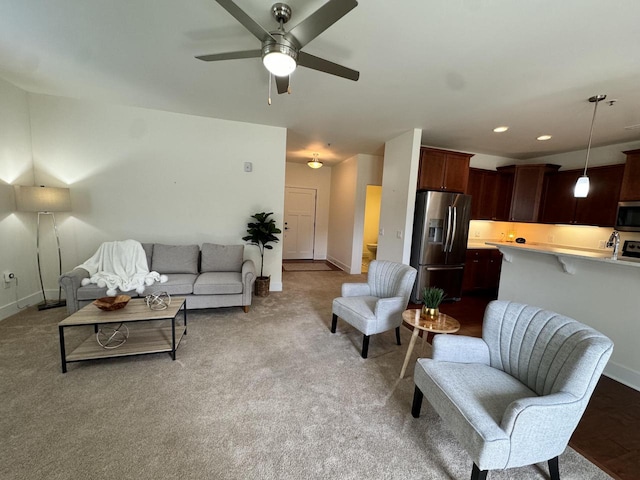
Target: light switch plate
[248,166]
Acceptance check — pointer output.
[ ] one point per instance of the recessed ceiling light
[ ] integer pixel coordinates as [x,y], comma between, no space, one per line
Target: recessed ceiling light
[544,137]
[500,129]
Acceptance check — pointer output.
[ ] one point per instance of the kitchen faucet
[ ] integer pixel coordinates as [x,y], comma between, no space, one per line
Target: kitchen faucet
[614,241]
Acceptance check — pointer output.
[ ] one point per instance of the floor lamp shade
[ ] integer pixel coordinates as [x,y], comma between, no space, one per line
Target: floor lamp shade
[42,199]
[45,201]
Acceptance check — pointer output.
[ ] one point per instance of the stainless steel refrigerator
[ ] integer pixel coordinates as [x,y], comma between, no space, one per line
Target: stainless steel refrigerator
[439,245]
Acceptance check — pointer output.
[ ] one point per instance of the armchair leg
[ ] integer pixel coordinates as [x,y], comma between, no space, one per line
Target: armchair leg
[417,402]
[365,346]
[245,308]
[334,322]
[554,470]
[398,335]
[477,474]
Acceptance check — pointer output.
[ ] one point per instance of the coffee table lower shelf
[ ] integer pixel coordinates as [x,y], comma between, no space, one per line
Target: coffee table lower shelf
[144,341]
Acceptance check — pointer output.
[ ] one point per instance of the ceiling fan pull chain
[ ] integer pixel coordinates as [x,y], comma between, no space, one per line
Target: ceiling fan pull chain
[269,96]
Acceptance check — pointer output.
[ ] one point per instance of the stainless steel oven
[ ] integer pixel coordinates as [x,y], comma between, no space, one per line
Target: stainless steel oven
[628,217]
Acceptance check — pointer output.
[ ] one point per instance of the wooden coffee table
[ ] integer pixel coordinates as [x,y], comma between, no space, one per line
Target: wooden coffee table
[141,341]
[442,323]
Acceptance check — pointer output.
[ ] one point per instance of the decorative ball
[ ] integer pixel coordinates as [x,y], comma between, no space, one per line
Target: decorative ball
[158,300]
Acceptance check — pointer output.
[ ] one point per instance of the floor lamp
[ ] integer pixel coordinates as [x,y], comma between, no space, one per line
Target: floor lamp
[45,201]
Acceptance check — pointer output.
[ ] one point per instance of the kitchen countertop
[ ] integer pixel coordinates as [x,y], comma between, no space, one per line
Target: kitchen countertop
[565,254]
[482,245]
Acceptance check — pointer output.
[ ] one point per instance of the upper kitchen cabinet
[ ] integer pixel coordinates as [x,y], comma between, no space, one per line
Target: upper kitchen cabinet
[631,179]
[443,170]
[491,193]
[598,208]
[528,185]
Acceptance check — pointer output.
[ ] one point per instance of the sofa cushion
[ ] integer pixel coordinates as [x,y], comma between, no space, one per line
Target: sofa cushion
[216,283]
[221,258]
[148,251]
[175,258]
[92,292]
[176,284]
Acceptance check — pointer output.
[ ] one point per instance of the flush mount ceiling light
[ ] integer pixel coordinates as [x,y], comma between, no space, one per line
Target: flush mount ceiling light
[581,189]
[501,129]
[315,163]
[542,138]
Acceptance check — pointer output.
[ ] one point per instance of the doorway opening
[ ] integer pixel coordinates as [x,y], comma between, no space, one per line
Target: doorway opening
[371,225]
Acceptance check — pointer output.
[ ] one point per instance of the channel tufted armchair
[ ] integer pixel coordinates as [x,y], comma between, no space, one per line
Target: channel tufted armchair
[375,306]
[514,396]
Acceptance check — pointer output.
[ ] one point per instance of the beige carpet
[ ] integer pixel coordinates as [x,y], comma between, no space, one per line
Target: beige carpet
[271,394]
[305,267]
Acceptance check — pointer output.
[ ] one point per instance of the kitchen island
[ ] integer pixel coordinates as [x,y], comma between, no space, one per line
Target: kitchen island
[583,284]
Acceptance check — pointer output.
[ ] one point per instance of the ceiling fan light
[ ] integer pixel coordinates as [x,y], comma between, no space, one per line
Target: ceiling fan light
[279,64]
[315,163]
[581,190]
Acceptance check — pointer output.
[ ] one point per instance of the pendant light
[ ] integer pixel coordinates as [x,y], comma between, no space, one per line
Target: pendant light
[581,189]
[315,163]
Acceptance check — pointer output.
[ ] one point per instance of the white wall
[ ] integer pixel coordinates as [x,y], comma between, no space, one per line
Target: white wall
[399,180]
[156,176]
[349,180]
[300,175]
[17,230]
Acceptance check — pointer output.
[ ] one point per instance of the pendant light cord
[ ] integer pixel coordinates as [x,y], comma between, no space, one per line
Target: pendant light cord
[593,120]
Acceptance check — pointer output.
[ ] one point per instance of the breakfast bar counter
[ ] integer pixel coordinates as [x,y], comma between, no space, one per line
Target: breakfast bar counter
[583,284]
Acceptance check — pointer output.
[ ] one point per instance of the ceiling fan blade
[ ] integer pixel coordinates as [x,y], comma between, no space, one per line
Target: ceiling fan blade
[247,22]
[322,65]
[282,83]
[230,55]
[320,20]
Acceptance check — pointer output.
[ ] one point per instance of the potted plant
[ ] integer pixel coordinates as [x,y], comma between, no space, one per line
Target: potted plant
[432,298]
[262,232]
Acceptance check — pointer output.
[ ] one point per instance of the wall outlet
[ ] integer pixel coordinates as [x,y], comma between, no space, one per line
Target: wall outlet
[8,278]
[602,244]
[550,238]
[381,232]
[399,234]
[477,234]
[248,166]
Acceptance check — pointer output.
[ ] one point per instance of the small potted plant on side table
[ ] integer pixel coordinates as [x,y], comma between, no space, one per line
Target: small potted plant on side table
[432,298]
[262,232]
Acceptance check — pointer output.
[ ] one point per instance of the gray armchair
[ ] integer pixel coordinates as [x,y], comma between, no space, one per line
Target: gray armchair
[375,306]
[514,396]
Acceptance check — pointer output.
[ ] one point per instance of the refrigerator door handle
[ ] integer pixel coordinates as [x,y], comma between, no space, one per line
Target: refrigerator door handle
[455,227]
[447,238]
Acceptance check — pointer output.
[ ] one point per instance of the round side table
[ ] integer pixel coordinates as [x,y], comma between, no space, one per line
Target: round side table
[442,323]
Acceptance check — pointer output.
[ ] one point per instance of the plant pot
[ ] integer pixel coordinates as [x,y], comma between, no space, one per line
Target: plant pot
[262,286]
[430,312]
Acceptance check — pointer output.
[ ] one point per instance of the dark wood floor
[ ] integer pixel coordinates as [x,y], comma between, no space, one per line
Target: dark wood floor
[609,432]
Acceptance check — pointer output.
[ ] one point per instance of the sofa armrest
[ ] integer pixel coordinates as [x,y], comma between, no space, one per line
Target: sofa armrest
[248,278]
[71,282]
[355,289]
[460,349]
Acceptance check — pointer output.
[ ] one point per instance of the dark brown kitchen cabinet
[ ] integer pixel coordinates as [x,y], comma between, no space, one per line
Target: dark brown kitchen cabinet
[484,195]
[482,270]
[443,170]
[631,180]
[528,185]
[598,208]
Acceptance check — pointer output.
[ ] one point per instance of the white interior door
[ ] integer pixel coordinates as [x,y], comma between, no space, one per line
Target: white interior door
[299,223]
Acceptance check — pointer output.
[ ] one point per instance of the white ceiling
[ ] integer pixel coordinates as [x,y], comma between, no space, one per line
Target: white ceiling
[454,68]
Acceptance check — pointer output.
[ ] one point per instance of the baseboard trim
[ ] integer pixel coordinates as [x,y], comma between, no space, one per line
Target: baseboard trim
[623,374]
[342,266]
[12,308]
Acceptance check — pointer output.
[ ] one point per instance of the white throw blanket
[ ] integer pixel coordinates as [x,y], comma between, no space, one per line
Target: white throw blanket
[122,265]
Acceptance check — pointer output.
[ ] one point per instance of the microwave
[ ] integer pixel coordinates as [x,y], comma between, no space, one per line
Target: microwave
[628,217]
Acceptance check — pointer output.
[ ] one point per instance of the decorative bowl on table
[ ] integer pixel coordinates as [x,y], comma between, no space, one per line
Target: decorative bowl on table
[109,304]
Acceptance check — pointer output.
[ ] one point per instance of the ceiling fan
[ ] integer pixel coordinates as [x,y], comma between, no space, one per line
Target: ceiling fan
[281,50]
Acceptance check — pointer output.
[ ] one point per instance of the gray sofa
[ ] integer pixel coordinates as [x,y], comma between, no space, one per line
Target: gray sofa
[214,276]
